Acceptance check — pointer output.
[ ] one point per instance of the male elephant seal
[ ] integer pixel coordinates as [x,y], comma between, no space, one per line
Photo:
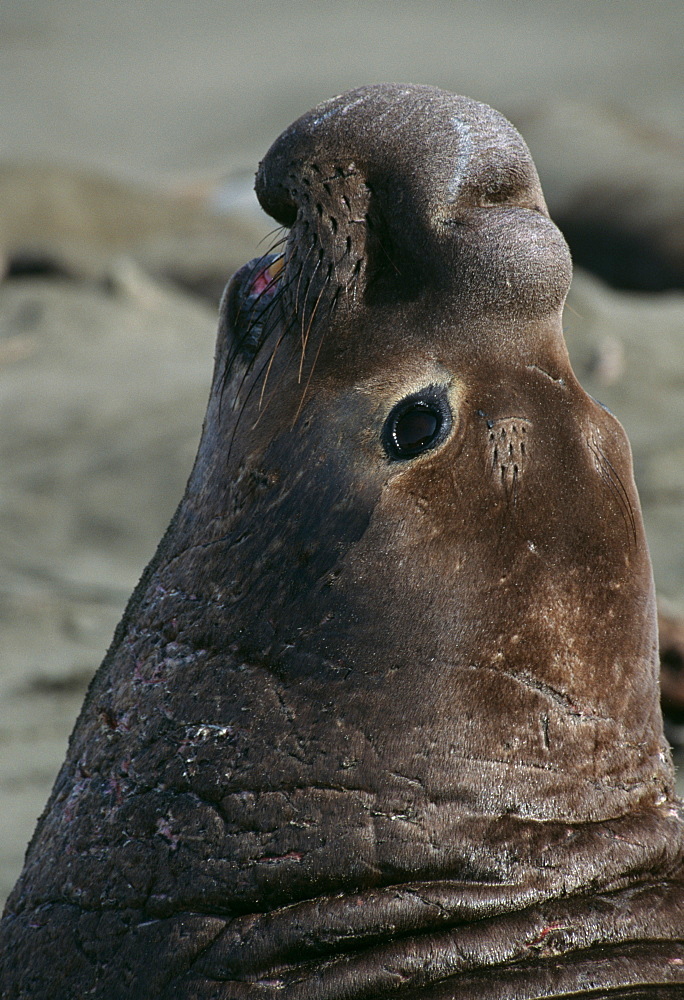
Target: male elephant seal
[381,719]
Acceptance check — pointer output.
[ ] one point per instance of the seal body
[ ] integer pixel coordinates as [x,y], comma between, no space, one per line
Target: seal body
[381,718]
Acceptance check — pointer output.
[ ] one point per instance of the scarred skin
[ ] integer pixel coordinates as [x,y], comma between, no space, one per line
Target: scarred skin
[379,726]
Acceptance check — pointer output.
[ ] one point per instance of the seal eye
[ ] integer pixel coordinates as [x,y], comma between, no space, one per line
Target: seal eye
[417,424]
[416,429]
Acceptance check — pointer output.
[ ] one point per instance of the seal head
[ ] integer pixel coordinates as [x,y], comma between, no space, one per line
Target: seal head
[382,716]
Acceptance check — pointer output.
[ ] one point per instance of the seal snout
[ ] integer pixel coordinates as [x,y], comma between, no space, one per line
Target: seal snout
[393,191]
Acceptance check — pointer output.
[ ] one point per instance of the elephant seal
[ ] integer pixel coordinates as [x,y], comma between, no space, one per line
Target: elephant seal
[381,718]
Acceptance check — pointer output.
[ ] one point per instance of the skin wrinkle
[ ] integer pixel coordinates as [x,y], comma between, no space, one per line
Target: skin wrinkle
[453,957]
[572,710]
[450,918]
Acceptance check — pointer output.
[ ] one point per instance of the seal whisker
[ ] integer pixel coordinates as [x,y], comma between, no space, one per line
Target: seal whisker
[354,278]
[277,344]
[615,476]
[301,274]
[264,291]
[251,389]
[311,319]
[259,317]
[309,286]
[239,344]
[227,374]
[282,239]
[333,305]
[610,483]
[265,334]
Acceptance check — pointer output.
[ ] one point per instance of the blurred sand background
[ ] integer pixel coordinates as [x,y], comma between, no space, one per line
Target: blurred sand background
[129,135]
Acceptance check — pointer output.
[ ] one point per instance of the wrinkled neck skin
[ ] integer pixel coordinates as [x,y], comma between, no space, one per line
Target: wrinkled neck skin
[377,725]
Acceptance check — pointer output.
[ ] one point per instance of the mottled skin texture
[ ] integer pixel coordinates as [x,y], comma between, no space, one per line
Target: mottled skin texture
[373,726]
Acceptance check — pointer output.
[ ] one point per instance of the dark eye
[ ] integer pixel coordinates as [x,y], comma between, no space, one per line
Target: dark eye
[417,424]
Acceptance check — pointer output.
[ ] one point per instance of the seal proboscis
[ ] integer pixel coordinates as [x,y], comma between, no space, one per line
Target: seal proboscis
[381,719]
